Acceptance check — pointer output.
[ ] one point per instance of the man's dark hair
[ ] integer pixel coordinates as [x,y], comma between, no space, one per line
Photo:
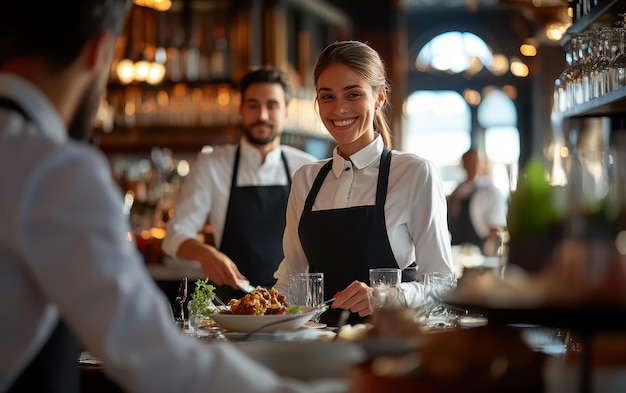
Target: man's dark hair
[265,74]
[56,30]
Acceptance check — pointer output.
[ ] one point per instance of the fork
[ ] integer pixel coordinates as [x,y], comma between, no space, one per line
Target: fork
[219,301]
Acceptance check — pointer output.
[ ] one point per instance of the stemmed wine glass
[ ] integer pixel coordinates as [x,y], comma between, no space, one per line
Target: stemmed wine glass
[617,66]
[178,308]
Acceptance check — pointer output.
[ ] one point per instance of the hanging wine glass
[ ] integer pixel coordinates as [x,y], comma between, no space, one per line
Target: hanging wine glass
[600,59]
[562,100]
[617,66]
[575,86]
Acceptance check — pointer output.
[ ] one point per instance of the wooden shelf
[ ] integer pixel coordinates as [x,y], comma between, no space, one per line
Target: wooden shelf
[169,84]
[138,139]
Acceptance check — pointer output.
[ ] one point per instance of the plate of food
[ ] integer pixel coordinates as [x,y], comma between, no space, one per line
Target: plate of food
[264,323]
[263,311]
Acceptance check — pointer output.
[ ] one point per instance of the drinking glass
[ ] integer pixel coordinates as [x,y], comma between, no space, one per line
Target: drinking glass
[178,308]
[384,283]
[595,204]
[617,67]
[385,277]
[437,286]
[307,289]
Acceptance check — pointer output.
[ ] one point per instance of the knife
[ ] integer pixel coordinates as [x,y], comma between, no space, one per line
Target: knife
[245,285]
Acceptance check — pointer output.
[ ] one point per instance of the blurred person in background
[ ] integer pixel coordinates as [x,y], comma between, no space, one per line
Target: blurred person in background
[368,206]
[69,279]
[476,208]
[242,190]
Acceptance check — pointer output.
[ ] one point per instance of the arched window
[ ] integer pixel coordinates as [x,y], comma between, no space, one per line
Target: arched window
[498,116]
[455,52]
[437,127]
[438,124]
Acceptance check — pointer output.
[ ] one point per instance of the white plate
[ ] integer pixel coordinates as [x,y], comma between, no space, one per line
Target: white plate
[264,323]
[313,325]
[293,335]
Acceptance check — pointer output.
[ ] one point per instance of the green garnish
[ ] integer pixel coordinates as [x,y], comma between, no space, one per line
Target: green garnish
[293,309]
[201,301]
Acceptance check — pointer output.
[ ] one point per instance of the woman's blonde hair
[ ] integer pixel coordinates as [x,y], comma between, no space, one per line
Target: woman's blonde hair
[364,60]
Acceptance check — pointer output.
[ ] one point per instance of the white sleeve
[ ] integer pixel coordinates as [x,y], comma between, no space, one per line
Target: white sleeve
[427,221]
[80,259]
[192,207]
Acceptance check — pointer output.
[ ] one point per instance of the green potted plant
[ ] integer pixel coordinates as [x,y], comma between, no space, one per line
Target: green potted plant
[535,220]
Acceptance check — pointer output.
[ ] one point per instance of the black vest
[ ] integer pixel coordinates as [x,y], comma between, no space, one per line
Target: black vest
[460,226]
[253,230]
[345,243]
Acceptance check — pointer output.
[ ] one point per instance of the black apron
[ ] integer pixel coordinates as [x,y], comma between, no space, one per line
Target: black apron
[345,243]
[461,227]
[253,230]
[55,368]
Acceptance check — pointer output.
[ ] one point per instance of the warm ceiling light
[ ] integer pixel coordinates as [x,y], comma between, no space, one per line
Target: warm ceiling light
[125,71]
[555,31]
[142,69]
[510,91]
[518,68]
[472,97]
[159,5]
[223,96]
[499,64]
[156,73]
[528,50]
[474,65]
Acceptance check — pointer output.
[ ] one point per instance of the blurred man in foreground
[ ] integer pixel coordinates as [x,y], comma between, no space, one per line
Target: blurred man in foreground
[68,277]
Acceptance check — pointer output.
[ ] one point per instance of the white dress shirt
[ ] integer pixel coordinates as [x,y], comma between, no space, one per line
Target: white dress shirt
[415,210]
[206,191]
[487,207]
[64,252]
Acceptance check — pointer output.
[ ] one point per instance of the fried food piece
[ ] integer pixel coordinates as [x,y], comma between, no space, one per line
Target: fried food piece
[261,301]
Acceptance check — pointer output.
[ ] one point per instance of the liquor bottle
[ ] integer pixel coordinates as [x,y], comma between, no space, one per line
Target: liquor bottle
[219,56]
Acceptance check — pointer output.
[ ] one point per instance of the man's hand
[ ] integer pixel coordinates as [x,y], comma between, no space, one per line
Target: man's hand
[215,264]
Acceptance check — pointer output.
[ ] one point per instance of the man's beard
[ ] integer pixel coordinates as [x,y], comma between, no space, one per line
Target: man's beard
[260,141]
[81,126]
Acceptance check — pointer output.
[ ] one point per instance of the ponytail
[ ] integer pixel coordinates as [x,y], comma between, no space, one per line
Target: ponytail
[381,125]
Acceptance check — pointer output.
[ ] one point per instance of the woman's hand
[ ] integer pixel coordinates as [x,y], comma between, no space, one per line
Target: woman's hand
[354,298]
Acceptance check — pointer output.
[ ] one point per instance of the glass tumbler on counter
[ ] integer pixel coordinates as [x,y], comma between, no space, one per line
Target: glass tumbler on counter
[436,286]
[385,292]
[307,289]
[201,325]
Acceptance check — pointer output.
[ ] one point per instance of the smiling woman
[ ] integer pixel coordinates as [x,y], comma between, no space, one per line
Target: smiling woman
[368,206]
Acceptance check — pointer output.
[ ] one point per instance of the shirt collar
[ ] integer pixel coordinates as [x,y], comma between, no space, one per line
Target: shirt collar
[35,103]
[252,155]
[365,157]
